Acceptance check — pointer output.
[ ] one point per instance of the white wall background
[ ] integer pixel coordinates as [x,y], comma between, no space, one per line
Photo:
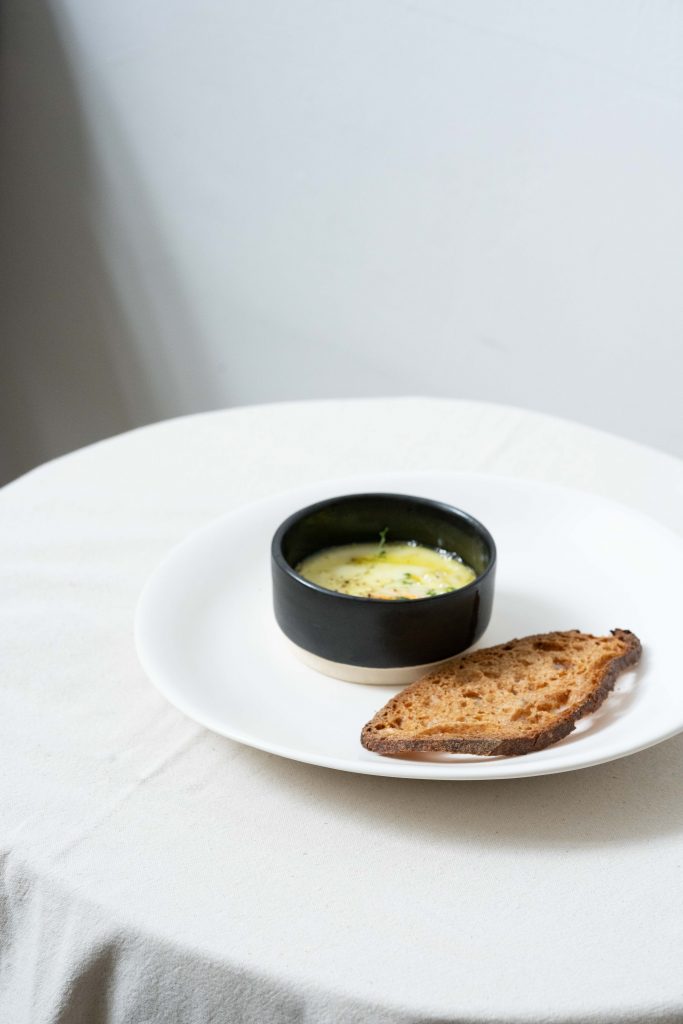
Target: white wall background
[219,202]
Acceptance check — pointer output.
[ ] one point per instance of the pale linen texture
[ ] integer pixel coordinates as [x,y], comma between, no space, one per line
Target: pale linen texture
[153,872]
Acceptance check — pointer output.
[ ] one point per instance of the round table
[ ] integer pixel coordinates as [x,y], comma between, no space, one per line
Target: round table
[155,872]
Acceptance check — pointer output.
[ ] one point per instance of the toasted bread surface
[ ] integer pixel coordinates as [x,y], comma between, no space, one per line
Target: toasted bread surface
[511,699]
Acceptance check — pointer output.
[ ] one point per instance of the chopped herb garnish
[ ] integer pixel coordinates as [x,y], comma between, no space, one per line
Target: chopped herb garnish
[383,541]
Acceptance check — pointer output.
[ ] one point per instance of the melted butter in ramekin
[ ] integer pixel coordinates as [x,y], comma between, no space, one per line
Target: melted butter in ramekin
[387,571]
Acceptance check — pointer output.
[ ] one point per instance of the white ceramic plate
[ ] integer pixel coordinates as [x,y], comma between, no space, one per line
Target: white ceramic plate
[206,636]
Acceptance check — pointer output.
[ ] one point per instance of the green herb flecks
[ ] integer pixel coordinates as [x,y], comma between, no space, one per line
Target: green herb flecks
[383,542]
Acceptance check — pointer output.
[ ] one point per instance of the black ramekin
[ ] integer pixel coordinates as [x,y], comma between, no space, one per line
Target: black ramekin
[368,640]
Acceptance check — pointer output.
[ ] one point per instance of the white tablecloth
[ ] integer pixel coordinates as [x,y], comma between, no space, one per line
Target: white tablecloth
[155,872]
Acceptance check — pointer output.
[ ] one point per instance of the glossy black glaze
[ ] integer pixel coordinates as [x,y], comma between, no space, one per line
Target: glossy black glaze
[375,633]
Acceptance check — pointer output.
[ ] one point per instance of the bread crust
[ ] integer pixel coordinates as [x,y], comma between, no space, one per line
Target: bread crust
[509,746]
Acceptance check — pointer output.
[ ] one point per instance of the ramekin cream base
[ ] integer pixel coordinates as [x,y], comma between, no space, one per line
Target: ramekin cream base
[362,674]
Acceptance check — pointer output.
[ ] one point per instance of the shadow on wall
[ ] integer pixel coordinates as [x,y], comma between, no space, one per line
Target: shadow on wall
[71,368]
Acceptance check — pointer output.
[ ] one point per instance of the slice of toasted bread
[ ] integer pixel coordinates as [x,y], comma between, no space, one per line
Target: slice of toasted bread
[511,699]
